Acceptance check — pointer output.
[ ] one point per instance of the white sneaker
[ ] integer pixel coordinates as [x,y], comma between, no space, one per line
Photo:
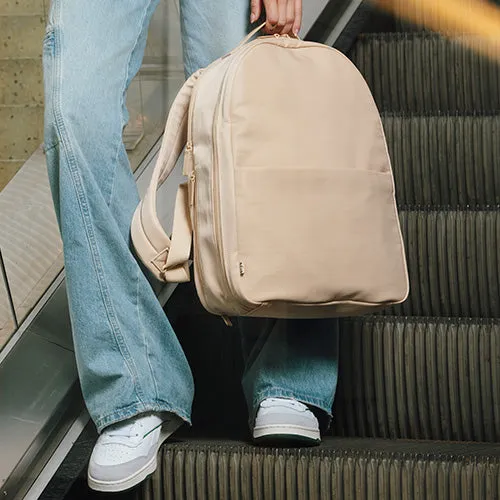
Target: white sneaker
[125,453]
[285,421]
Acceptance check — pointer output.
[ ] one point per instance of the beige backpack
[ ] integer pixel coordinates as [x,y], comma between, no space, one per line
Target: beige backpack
[290,193]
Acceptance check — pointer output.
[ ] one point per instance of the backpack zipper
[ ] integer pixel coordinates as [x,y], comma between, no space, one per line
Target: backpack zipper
[192,177]
[216,190]
[225,284]
[216,201]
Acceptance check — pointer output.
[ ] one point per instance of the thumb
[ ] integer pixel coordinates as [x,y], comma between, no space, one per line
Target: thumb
[255,10]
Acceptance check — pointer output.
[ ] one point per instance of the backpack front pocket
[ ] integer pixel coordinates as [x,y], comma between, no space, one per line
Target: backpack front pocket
[318,235]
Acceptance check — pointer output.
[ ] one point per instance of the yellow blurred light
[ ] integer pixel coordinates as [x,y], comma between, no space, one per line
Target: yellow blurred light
[473,22]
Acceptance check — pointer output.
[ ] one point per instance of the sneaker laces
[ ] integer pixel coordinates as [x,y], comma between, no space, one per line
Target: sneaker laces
[133,428]
[284,402]
[126,430]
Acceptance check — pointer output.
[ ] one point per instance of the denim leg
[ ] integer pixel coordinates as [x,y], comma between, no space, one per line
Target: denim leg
[290,358]
[211,29]
[128,357]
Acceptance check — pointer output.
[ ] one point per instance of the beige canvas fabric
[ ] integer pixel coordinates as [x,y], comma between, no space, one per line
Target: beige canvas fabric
[290,193]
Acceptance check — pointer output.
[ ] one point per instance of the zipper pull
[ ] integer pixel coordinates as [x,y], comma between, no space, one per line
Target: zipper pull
[192,180]
[188,166]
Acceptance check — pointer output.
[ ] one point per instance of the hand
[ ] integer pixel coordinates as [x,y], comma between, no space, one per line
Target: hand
[282,16]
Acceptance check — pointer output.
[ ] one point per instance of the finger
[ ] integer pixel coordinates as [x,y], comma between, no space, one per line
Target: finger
[282,4]
[290,17]
[298,17]
[255,10]
[272,14]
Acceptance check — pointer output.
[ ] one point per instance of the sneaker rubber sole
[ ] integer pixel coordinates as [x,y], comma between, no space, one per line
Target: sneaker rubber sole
[292,435]
[138,476]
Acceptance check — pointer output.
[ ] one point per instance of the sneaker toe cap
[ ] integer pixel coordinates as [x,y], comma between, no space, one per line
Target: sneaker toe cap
[277,417]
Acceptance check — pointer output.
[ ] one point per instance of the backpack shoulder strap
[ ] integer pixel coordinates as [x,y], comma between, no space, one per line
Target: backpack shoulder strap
[166,259]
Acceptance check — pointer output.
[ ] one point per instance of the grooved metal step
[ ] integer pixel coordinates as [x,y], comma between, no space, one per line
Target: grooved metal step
[422,72]
[399,377]
[420,378]
[445,160]
[341,468]
[453,262]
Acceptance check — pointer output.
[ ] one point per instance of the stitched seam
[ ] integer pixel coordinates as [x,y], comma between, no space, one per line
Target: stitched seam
[64,141]
[122,97]
[187,54]
[188,63]
[142,332]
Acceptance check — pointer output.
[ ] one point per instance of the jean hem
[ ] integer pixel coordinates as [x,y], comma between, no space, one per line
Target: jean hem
[136,409]
[277,392]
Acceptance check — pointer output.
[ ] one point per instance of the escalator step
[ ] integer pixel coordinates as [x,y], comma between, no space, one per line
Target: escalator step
[339,468]
[445,160]
[419,379]
[415,378]
[453,262]
[425,73]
